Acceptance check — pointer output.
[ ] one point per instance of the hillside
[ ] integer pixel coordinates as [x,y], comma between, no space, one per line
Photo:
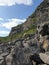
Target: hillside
[40,15]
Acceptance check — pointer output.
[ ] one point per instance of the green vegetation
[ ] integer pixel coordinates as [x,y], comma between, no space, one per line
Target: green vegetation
[32,30]
[5,39]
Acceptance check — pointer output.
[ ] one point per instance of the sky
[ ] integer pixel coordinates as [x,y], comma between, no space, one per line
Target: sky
[14,12]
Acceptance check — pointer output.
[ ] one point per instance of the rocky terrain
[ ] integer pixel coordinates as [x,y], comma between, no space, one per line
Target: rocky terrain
[29,42]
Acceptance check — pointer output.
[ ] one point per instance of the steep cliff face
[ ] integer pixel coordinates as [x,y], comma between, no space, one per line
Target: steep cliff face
[40,15]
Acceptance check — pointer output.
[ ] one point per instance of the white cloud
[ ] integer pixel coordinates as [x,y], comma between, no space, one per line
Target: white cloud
[1,18]
[4,33]
[12,22]
[13,2]
[8,25]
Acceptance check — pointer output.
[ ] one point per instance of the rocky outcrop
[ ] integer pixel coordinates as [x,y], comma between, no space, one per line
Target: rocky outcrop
[16,29]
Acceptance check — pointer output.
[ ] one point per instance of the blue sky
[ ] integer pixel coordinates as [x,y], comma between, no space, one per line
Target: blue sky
[14,12]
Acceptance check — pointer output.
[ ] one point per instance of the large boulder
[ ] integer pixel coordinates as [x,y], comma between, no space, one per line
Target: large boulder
[36,58]
[44,57]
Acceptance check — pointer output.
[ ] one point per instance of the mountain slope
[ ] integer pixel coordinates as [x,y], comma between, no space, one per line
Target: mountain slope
[40,15]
